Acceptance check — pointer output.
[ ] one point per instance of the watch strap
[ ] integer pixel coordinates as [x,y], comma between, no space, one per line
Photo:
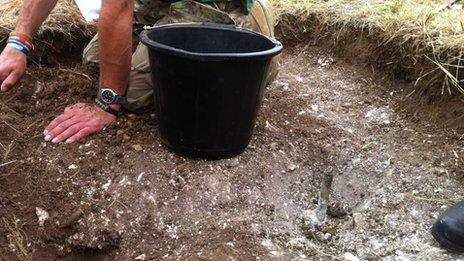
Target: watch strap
[121,100]
[106,107]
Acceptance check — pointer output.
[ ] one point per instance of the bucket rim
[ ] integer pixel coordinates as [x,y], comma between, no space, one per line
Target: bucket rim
[277,49]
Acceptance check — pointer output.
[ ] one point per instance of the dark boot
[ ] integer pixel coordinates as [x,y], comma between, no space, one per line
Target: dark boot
[449,228]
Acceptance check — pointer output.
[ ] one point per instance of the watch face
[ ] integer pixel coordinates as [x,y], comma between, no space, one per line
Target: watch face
[107,96]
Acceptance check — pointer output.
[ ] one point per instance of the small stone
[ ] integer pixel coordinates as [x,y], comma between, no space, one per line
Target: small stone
[327,236]
[72,166]
[141,257]
[42,215]
[350,257]
[359,221]
[292,167]
[137,147]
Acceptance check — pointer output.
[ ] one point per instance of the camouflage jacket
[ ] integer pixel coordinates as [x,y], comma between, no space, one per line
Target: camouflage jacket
[245,5]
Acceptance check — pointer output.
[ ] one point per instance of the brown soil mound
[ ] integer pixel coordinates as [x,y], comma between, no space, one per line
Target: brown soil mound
[396,170]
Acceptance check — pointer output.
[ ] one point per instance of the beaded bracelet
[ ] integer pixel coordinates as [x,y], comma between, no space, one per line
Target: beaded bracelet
[18,46]
[23,40]
[28,37]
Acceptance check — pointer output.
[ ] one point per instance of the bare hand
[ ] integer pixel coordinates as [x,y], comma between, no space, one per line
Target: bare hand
[12,67]
[77,122]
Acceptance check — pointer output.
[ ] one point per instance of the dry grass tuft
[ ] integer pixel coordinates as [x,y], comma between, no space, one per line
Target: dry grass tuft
[65,19]
[427,31]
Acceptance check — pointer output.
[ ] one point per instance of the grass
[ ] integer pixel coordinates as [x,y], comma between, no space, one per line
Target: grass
[411,19]
[429,31]
[422,21]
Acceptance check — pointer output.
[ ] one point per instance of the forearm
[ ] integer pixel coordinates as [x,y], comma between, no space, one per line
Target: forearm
[115,41]
[33,13]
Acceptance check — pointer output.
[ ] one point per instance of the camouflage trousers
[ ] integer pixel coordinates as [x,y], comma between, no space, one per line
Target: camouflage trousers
[140,91]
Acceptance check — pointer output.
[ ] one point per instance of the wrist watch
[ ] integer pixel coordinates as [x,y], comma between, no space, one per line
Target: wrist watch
[106,97]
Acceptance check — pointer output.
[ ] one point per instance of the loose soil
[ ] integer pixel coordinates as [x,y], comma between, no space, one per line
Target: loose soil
[120,195]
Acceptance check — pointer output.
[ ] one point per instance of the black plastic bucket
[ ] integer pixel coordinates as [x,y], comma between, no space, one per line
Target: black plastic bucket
[208,82]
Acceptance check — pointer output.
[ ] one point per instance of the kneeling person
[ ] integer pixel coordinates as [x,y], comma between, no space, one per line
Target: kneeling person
[125,76]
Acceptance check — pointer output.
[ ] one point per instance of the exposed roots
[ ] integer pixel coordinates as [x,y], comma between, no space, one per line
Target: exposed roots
[16,239]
